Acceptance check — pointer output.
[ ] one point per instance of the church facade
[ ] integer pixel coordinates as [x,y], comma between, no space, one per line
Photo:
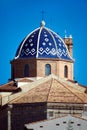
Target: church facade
[42,84]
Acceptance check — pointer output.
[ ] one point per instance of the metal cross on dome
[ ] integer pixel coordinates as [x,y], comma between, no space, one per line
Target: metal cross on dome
[42,12]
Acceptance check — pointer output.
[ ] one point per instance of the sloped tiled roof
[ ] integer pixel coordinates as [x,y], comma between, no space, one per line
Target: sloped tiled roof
[70,116]
[52,89]
[25,79]
[12,86]
[59,123]
[9,87]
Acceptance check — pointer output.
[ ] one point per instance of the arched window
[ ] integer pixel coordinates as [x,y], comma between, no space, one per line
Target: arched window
[26,71]
[47,69]
[65,71]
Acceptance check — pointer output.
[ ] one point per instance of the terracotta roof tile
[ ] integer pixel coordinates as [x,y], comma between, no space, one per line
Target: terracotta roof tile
[9,87]
[53,90]
[25,80]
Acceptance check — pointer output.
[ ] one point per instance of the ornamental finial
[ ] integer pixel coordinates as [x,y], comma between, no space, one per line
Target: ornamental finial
[42,23]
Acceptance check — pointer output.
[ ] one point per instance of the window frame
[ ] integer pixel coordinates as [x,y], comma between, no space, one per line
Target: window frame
[26,70]
[47,69]
[65,71]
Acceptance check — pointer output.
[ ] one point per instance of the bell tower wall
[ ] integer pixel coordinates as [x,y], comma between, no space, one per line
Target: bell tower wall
[69,44]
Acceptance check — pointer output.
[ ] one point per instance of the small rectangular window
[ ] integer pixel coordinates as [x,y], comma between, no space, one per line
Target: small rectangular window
[78,124]
[41,126]
[64,122]
[57,124]
[51,114]
[72,122]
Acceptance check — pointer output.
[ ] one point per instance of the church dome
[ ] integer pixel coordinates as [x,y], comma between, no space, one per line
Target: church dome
[43,43]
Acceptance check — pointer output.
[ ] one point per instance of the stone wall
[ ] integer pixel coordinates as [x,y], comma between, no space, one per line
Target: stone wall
[37,67]
[15,116]
[61,109]
[18,65]
[69,43]
[3,118]
[25,113]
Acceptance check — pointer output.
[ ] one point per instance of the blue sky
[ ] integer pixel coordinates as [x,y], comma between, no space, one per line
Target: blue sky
[19,17]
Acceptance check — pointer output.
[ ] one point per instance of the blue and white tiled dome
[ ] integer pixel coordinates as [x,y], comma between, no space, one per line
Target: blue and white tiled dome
[43,43]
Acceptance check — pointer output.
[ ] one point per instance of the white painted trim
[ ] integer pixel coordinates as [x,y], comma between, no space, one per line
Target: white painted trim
[38,41]
[24,42]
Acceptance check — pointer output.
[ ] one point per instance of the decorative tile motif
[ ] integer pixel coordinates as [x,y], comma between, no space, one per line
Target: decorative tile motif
[45,44]
[50,44]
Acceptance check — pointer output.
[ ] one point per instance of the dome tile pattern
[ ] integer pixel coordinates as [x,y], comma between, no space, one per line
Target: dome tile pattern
[43,43]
